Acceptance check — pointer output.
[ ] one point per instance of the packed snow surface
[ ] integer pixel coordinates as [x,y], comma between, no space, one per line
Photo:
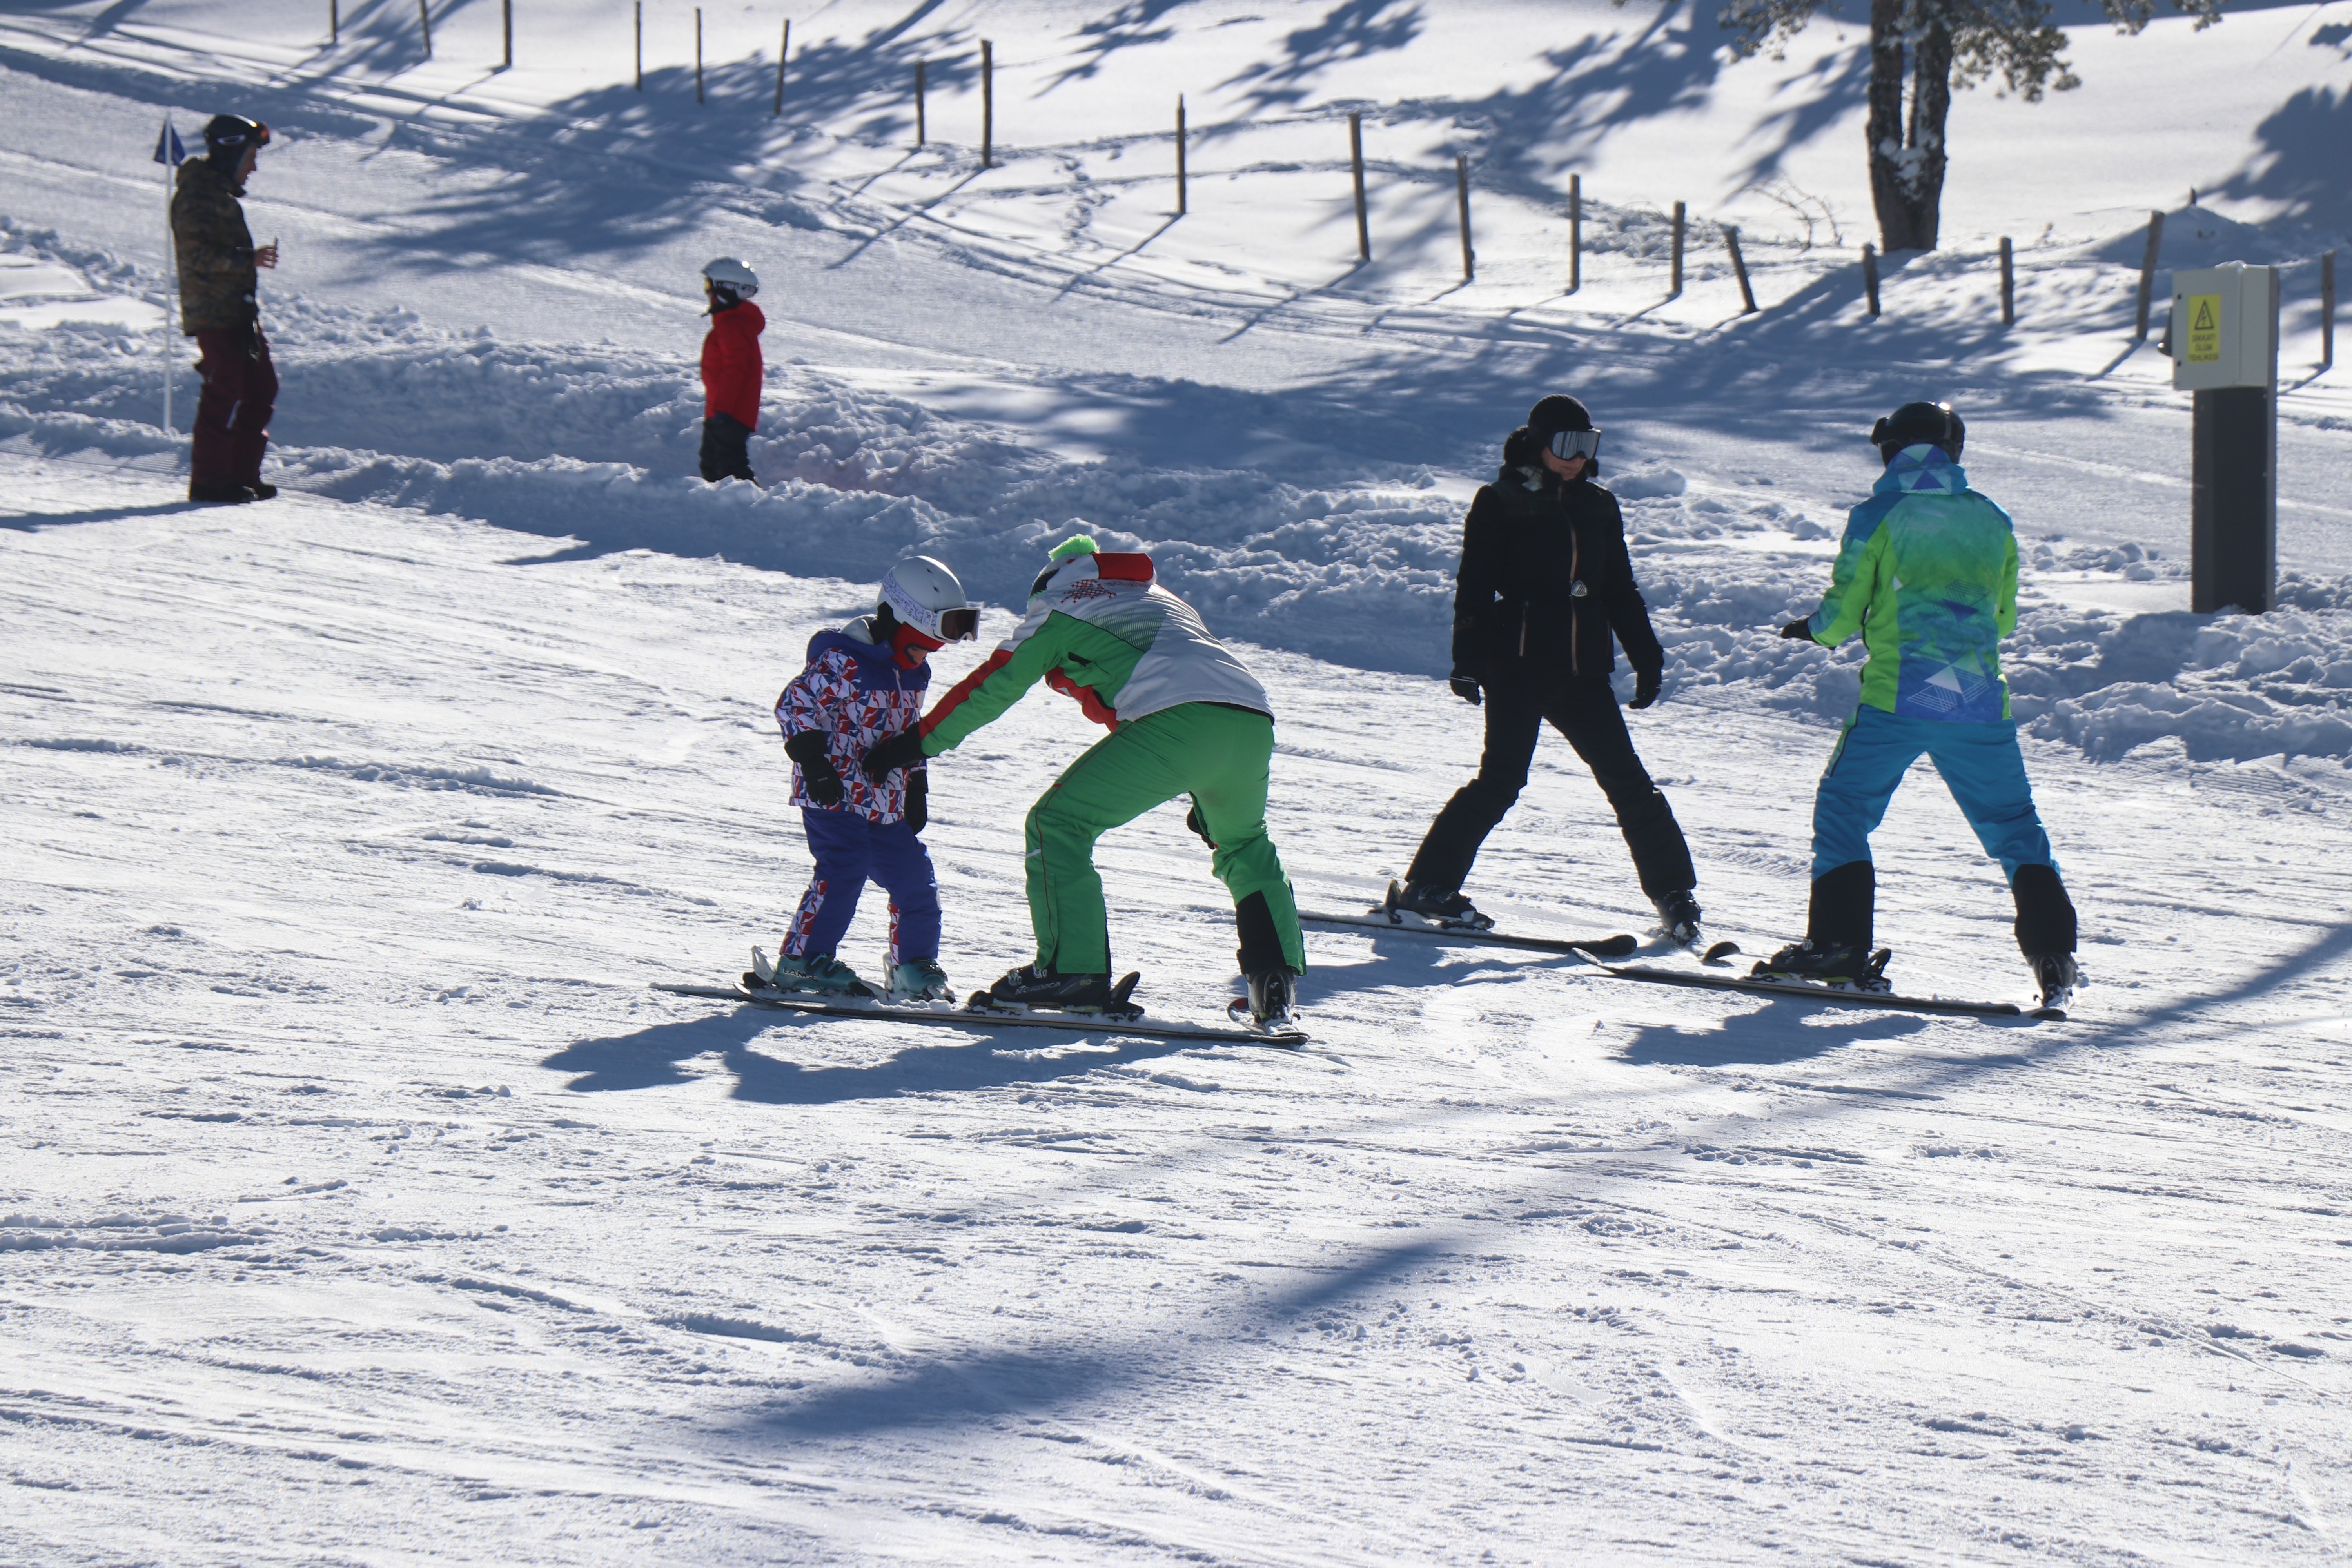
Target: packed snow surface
[364,1204]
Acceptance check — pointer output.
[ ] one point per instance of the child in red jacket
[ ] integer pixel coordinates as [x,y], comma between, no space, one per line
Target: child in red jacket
[731,370]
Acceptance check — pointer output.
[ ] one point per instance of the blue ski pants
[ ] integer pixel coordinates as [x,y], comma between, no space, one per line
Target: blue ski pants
[849,849]
[1981,766]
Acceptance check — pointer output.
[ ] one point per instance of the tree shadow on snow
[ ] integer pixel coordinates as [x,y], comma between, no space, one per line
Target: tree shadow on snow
[1777,1033]
[961,1057]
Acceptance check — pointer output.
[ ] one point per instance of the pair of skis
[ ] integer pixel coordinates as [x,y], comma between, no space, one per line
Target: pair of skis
[1602,954]
[1121,1017]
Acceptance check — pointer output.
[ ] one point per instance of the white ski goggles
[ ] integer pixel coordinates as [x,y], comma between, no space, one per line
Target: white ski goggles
[1571,443]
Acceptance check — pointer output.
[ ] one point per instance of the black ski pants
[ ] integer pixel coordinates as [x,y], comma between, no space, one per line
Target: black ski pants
[1586,712]
[726,448]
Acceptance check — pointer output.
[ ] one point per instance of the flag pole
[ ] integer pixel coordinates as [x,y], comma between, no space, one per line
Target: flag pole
[171,279]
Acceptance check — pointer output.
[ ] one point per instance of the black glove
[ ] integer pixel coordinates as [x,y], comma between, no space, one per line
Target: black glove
[1192,820]
[903,750]
[819,778]
[1646,687]
[918,793]
[1804,628]
[1466,687]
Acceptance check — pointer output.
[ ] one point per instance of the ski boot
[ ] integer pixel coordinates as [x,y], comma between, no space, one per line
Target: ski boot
[917,979]
[819,974]
[218,495]
[2056,975]
[260,491]
[1273,993]
[1034,986]
[1839,966]
[1444,907]
[1678,917]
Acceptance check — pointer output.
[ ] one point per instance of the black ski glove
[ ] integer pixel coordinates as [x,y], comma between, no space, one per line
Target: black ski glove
[903,750]
[918,799]
[1646,687]
[819,778]
[1466,687]
[1192,820]
[1796,629]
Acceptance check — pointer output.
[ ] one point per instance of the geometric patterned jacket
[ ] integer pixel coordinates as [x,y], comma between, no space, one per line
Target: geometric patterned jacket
[857,692]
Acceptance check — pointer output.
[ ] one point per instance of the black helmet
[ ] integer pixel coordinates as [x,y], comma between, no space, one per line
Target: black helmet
[1934,422]
[227,136]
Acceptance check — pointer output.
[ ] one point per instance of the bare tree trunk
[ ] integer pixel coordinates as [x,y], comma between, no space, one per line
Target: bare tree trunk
[1907,150]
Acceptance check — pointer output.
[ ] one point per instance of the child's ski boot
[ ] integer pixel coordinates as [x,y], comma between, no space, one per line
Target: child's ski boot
[1445,908]
[819,975]
[1840,966]
[918,979]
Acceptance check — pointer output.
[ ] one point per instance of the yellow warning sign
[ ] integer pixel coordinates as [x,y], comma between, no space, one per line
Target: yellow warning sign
[2204,328]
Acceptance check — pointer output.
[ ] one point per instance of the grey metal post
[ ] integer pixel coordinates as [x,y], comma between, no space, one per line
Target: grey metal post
[1356,160]
[697,54]
[1740,269]
[1180,155]
[506,24]
[2007,285]
[1675,287]
[638,12]
[987,105]
[334,21]
[1870,275]
[2234,491]
[1461,195]
[920,129]
[2147,272]
[784,53]
[424,21]
[2326,309]
[1575,233]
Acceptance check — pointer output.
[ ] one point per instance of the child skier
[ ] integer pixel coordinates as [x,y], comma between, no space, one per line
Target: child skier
[1186,718]
[731,370]
[865,683]
[1927,574]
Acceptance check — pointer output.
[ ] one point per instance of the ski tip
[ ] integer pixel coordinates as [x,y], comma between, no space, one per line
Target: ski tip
[1618,946]
[2047,1014]
[1124,989]
[1718,952]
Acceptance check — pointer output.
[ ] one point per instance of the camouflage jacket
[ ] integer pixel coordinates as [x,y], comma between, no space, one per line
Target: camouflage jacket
[214,250]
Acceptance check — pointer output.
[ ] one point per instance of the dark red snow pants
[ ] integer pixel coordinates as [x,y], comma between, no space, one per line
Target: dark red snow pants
[232,413]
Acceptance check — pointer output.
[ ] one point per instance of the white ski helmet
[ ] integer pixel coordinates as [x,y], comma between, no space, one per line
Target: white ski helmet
[924,595]
[732,276]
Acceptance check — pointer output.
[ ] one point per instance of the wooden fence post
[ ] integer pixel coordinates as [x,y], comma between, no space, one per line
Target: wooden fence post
[697,54]
[334,21]
[1181,208]
[1870,275]
[639,14]
[2008,284]
[425,21]
[1462,196]
[1355,162]
[1740,269]
[505,25]
[987,105]
[784,53]
[920,129]
[1676,287]
[1575,233]
[2326,309]
[2147,272]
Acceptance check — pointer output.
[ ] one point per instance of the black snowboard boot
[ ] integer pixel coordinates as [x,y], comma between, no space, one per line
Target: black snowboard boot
[1842,967]
[1439,906]
[218,495]
[1032,986]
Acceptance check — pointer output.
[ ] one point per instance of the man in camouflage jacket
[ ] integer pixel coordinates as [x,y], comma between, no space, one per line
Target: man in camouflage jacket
[218,271]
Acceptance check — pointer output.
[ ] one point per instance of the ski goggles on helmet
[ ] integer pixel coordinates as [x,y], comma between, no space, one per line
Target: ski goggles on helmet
[230,131]
[960,625]
[1567,445]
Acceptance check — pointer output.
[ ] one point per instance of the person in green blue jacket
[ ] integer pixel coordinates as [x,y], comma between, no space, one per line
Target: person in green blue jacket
[1186,718]
[1927,574]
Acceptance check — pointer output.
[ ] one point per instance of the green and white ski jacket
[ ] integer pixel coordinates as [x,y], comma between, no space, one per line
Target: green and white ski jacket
[1102,630]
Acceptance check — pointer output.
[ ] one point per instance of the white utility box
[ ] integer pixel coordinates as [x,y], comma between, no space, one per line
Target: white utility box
[2225,327]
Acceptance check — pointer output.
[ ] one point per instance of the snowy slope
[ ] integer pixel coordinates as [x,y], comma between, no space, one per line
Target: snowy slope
[363,1204]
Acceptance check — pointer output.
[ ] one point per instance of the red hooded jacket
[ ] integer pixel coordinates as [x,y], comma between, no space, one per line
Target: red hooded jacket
[731,370]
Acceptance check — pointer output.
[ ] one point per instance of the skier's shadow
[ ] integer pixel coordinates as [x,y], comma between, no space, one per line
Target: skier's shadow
[980,1058]
[1778,1032]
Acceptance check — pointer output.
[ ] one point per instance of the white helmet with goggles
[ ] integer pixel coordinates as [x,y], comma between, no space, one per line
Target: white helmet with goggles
[923,593]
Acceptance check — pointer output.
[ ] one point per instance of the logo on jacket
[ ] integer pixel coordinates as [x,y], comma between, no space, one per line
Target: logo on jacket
[1087,588]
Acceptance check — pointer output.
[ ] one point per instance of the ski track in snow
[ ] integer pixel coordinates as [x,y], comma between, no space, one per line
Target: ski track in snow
[363,1203]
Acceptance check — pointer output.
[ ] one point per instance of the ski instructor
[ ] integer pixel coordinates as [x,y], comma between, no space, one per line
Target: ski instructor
[1186,718]
[1927,574]
[1544,582]
[218,280]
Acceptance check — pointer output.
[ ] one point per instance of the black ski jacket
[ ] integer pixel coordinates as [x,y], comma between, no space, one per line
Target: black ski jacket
[1544,578]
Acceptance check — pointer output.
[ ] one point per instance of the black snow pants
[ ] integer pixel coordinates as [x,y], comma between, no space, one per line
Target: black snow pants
[1586,712]
[726,448]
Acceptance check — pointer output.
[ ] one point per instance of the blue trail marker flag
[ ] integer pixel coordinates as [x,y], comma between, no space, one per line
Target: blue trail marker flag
[168,150]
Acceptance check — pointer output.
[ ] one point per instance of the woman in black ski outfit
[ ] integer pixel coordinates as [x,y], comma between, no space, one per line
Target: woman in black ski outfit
[1544,582]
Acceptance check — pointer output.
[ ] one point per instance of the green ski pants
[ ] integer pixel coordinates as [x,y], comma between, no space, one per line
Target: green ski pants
[1216,754]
